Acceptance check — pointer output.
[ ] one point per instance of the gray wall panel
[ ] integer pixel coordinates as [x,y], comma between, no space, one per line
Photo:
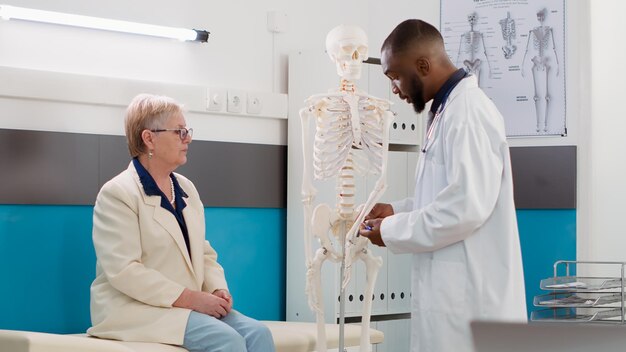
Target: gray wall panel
[238,174]
[70,168]
[544,177]
[47,168]
[114,157]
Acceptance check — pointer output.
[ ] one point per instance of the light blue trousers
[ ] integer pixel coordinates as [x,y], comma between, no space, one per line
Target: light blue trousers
[233,333]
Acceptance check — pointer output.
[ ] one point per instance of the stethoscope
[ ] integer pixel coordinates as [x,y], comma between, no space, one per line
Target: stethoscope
[431,129]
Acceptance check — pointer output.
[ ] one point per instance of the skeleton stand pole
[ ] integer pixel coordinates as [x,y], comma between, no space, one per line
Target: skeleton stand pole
[342,290]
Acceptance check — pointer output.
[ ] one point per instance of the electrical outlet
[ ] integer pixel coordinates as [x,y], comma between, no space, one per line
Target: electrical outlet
[215,99]
[254,105]
[236,101]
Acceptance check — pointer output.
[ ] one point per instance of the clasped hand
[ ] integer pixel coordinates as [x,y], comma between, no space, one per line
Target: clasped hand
[217,304]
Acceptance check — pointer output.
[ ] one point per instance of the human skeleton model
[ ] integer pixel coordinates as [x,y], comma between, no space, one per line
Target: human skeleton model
[541,36]
[351,136]
[469,45]
[508,34]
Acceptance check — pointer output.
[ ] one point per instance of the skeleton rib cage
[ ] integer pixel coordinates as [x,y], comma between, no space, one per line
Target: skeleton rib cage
[471,41]
[541,38]
[337,133]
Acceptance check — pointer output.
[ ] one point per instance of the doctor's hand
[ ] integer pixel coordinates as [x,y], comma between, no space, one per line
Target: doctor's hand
[380,210]
[371,230]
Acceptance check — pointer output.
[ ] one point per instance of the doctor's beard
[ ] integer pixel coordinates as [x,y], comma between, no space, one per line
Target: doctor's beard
[417,94]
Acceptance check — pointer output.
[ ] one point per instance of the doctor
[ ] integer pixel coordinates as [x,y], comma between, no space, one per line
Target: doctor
[460,226]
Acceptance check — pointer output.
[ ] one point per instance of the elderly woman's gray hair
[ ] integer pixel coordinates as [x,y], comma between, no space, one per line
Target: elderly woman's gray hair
[147,112]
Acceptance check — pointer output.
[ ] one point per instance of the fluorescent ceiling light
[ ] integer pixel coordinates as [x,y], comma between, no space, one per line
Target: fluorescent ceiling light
[21,13]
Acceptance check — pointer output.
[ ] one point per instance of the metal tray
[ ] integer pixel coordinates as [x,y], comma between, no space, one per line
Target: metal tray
[577,283]
[576,299]
[574,315]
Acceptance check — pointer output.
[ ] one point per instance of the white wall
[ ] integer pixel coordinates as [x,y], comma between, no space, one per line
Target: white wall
[384,16]
[241,52]
[604,238]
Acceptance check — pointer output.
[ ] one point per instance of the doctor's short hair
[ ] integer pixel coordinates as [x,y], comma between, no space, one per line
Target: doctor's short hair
[411,33]
[147,112]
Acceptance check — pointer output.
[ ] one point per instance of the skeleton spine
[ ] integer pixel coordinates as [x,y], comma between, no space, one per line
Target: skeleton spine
[346,189]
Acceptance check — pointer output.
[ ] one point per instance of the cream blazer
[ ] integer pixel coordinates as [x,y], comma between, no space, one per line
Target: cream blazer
[143,264]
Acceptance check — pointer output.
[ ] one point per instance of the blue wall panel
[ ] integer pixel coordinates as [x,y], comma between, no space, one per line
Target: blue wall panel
[546,236]
[47,263]
[251,246]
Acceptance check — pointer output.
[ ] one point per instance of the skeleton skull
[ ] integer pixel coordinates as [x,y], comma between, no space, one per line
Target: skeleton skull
[472,18]
[347,47]
[541,15]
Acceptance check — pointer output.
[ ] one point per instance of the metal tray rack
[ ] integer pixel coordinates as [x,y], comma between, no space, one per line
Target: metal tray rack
[582,299]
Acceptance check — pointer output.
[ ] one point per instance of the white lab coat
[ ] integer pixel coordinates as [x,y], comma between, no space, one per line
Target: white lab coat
[461,227]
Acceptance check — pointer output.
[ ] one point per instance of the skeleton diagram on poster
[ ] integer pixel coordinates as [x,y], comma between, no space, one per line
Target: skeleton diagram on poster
[516,49]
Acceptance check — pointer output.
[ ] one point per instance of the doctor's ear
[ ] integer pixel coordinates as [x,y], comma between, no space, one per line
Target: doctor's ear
[422,65]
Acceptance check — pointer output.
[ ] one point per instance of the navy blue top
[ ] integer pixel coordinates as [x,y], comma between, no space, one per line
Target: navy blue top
[443,93]
[151,189]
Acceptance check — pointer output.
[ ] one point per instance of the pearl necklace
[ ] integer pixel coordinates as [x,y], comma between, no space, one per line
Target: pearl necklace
[173,194]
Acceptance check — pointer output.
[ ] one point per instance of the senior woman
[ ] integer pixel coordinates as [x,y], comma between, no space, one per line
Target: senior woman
[157,278]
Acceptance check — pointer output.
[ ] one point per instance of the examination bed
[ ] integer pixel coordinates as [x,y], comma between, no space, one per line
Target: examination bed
[288,337]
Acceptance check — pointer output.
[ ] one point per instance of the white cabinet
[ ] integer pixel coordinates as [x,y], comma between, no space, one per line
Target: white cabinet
[397,335]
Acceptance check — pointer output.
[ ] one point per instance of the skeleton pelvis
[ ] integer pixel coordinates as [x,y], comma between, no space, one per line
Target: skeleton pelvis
[326,221]
[541,63]
[473,65]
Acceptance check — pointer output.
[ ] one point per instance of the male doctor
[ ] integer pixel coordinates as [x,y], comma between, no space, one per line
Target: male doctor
[460,225]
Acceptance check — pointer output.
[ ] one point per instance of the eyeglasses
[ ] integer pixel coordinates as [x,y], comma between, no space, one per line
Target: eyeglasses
[183,133]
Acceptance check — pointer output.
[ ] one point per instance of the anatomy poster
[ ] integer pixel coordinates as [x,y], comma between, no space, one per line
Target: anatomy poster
[516,49]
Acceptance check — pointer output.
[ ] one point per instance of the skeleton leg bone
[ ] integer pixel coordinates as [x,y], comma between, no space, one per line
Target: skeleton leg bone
[372,265]
[540,80]
[316,299]
[545,113]
[536,96]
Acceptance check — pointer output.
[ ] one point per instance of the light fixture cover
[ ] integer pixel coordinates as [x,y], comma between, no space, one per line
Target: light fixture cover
[11,12]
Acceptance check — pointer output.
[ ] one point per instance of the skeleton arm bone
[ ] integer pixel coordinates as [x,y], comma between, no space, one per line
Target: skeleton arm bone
[482,39]
[526,51]
[308,191]
[555,55]
[378,190]
[381,184]
[458,55]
